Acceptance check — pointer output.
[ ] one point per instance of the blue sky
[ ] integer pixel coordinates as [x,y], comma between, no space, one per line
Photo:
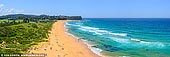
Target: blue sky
[90,8]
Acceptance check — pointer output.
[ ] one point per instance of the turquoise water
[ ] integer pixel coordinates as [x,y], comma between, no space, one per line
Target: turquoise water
[137,37]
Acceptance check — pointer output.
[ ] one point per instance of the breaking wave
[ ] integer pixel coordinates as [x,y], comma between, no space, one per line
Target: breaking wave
[96,30]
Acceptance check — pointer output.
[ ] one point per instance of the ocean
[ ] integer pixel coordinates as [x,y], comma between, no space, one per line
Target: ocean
[124,37]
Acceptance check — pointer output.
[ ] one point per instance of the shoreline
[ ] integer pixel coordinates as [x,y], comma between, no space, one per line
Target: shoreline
[62,44]
[92,49]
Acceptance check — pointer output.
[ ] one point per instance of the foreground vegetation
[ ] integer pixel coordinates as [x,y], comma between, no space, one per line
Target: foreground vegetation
[17,38]
[18,32]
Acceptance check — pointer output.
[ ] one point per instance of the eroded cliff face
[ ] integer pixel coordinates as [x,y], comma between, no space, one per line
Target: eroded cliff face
[69,17]
[75,18]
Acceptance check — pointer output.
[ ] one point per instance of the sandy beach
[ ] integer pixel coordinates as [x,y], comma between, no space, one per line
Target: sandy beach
[61,44]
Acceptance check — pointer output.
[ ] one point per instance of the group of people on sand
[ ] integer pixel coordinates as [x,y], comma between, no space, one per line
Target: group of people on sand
[46,48]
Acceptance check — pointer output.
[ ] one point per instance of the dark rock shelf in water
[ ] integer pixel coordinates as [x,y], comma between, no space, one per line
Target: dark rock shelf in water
[108,48]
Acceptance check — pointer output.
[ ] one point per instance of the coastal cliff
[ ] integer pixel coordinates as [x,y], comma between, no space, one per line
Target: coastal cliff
[69,18]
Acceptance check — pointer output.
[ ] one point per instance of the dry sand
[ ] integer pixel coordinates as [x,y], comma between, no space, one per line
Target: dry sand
[61,44]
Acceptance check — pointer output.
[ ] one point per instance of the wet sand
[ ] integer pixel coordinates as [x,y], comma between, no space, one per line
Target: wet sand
[61,44]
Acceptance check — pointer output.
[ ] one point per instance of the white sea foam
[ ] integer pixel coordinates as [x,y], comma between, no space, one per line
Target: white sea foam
[72,24]
[133,42]
[119,34]
[90,28]
[144,42]
[140,41]
[96,50]
[91,31]
[121,40]
[93,49]
[137,40]
[99,31]
[95,30]
[152,44]
[148,44]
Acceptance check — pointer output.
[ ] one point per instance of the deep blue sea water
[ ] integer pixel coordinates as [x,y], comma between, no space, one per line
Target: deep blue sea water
[133,37]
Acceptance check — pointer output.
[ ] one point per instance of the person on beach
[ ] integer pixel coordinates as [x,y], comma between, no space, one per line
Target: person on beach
[62,48]
[45,49]
[58,55]
[79,40]
[65,55]
[28,51]
[50,48]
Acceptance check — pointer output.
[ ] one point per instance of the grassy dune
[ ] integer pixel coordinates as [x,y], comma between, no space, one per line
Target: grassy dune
[18,38]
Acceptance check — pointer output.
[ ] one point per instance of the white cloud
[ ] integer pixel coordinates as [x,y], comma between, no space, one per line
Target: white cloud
[19,11]
[10,10]
[5,10]
[1,5]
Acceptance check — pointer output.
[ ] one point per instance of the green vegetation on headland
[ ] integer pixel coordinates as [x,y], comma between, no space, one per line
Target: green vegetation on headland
[40,17]
[18,32]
